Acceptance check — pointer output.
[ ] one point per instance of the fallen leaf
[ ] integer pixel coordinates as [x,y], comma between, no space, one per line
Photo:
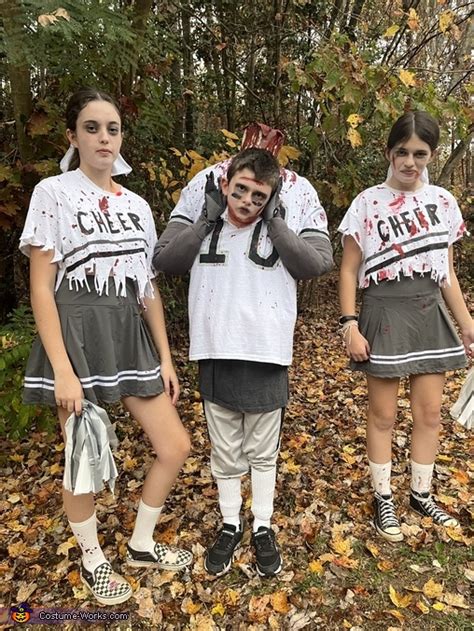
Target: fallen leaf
[422,607]
[455,600]
[316,567]
[372,548]
[432,589]
[218,610]
[279,602]
[399,600]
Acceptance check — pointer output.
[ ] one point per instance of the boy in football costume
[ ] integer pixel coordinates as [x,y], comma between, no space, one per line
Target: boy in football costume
[247,231]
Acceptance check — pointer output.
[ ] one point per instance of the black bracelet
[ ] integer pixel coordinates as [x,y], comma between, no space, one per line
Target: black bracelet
[347,318]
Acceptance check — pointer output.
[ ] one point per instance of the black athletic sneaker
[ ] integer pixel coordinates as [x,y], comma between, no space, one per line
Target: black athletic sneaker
[267,555]
[424,504]
[385,518]
[219,557]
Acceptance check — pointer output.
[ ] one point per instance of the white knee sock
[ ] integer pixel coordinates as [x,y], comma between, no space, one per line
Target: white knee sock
[421,475]
[142,537]
[263,491]
[230,500]
[86,537]
[381,474]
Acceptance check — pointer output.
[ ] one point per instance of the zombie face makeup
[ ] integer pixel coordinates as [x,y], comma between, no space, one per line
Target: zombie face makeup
[246,197]
[408,160]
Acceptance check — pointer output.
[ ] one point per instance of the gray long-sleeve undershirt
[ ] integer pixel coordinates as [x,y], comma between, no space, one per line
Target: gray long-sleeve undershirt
[304,257]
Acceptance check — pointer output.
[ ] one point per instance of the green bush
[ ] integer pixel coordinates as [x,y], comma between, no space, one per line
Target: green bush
[16,337]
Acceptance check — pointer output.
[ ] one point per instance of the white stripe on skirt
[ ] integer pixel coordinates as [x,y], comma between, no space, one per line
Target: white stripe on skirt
[408,357]
[97,380]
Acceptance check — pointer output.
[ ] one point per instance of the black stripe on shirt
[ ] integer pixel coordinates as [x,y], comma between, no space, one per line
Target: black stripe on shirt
[187,219]
[101,242]
[101,255]
[403,243]
[399,257]
[306,230]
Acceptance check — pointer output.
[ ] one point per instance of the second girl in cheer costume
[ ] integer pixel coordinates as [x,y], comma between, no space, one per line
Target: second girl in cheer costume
[398,248]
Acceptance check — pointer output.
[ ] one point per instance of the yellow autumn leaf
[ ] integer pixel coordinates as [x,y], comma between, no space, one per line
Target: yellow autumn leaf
[413,21]
[64,547]
[445,21]
[231,596]
[432,589]
[291,467]
[354,120]
[194,155]
[55,468]
[348,458]
[229,134]
[407,78]
[176,152]
[399,600]
[438,606]
[391,31]
[455,533]
[287,153]
[354,138]
[218,610]
[372,548]
[342,546]
[422,607]
[195,168]
[279,602]
[175,196]
[396,614]
[316,567]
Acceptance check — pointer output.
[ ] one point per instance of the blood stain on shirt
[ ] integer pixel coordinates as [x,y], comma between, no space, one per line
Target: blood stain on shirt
[398,202]
[398,248]
[104,205]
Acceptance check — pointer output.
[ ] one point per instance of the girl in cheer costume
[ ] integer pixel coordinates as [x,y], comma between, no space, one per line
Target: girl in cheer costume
[90,243]
[398,248]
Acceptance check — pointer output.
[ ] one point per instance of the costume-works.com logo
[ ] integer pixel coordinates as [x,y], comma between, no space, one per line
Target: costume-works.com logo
[21,613]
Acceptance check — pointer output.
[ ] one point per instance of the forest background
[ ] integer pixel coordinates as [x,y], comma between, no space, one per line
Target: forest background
[189,75]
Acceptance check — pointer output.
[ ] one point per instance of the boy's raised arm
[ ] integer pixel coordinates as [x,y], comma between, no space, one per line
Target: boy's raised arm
[180,242]
[305,256]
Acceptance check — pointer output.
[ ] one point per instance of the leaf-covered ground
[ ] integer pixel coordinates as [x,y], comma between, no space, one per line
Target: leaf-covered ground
[337,575]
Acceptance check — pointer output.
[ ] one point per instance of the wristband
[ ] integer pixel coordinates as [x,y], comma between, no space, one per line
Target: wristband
[347,318]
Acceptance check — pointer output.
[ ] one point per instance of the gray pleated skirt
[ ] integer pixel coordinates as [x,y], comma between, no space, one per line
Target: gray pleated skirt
[108,343]
[408,329]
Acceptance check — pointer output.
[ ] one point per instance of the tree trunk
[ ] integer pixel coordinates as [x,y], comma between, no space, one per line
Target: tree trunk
[18,72]
[455,159]
[187,80]
[139,20]
[276,62]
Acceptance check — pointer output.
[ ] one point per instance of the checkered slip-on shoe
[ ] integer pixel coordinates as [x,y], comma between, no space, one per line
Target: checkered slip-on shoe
[106,586]
[162,557]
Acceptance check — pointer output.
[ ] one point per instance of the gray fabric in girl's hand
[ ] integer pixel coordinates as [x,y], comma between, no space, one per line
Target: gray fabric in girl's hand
[89,460]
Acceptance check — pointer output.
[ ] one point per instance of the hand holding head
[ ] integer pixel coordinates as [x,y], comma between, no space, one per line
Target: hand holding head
[273,207]
[214,201]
